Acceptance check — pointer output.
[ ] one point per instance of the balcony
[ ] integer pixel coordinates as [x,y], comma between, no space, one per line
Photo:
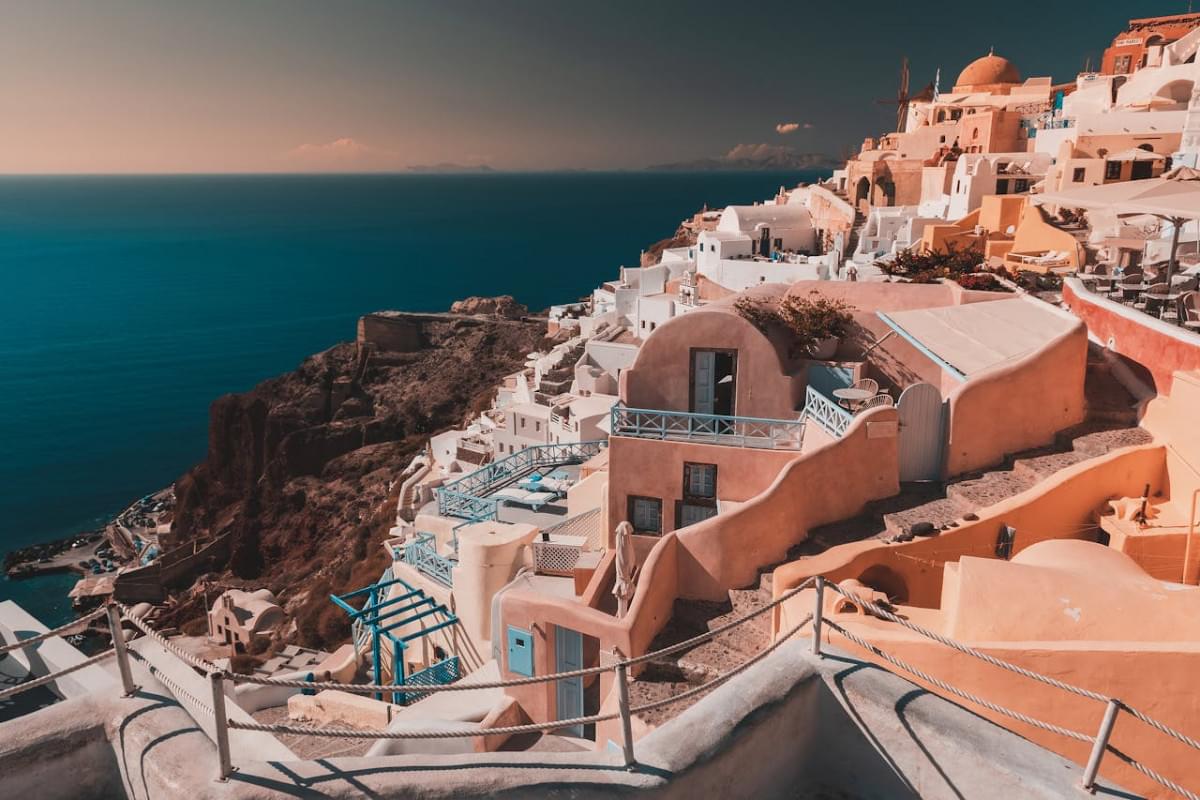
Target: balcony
[767,434]
[422,555]
[468,497]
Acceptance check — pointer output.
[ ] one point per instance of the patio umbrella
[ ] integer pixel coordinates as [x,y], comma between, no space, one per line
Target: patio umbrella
[626,563]
[1173,197]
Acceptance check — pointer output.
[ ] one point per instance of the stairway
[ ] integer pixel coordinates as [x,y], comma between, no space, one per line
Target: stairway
[679,672]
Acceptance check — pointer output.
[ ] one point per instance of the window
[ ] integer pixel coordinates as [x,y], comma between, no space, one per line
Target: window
[1121,65]
[652,324]
[702,247]
[1021,185]
[700,481]
[1112,170]
[1001,187]
[537,427]
[1141,170]
[1078,174]
[645,513]
[522,421]
[779,244]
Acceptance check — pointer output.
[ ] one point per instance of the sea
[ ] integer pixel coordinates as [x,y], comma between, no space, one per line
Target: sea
[127,304]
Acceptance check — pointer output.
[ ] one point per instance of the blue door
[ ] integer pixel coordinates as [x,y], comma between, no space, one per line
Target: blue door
[568,652]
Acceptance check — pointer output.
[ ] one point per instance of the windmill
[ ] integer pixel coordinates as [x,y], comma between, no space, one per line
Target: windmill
[903,98]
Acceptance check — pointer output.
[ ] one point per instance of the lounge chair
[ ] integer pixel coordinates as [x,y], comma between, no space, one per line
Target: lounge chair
[535,500]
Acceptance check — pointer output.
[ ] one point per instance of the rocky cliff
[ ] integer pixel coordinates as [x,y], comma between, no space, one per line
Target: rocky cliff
[301,468]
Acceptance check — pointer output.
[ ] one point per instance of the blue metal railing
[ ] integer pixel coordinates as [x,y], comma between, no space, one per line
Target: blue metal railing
[642,423]
[467,497]
[439,674]
[826,412]
[423,555]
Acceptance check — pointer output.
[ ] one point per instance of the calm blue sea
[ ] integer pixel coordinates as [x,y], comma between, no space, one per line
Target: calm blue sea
[128,304]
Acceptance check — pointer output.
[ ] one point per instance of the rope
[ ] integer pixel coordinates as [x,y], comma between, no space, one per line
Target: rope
[377,688]
[351,733]
[182,655]
[715,682]
[962,648]
[1158,726]
[41,637]
[1152,775]
[956,691]
[179,692]
[36,682]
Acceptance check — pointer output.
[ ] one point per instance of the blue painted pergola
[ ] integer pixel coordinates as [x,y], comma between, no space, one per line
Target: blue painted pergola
[378,617]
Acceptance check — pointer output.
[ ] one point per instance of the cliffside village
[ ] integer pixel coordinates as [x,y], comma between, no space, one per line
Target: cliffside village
[934,416]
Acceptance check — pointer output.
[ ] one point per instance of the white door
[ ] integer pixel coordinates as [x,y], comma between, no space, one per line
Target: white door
[703,383]
[922,433]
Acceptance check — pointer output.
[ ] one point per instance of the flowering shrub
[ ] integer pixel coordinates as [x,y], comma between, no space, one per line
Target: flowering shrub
[809,320]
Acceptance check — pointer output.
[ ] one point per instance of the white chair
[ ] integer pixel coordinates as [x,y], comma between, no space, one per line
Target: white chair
[879,400]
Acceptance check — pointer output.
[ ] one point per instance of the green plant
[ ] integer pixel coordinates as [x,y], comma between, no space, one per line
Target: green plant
[815,317]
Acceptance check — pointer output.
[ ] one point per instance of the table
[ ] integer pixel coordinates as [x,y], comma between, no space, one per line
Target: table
[852,397]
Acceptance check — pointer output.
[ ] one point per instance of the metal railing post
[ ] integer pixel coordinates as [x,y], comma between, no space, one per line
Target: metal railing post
[816,622]
[221,722]
[118,640]
[1100,745]
[626,719]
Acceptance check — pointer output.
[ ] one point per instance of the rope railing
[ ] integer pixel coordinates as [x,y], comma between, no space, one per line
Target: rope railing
[1100,742]
[83,621]
[53,676]
[181,654]
[217,676]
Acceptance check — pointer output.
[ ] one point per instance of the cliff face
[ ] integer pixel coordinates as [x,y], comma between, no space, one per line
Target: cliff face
[300,468]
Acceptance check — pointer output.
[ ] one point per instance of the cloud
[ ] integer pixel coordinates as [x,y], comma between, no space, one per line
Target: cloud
[808,126]
[343,153]
[785,128]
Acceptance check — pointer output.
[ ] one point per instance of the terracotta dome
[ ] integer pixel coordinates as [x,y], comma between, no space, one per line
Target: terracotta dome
[988,70]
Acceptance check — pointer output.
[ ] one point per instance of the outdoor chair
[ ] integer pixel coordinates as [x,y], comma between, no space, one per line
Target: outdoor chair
[1130,287]
[1188,309]
[866,385]
[884,400]
[1153,300]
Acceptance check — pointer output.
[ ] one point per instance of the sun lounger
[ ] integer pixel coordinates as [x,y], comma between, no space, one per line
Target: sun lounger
[535,500]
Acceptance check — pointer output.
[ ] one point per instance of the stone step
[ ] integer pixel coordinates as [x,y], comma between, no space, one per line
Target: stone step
[1040,467]
[1098,443]
[937,512]
[989,489]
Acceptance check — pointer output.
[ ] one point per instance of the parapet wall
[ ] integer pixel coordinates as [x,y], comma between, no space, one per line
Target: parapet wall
[1161,348]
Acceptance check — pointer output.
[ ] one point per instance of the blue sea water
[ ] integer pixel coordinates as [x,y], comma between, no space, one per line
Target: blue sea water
[127,304]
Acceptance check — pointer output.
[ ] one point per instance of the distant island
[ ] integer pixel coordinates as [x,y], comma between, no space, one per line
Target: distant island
[450,167]
[753,157]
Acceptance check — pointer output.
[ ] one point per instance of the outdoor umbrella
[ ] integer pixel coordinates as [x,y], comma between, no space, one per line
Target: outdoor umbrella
[1174,197]
[626,564]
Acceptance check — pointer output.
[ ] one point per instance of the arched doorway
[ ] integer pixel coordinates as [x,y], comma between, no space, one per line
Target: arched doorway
[862,193]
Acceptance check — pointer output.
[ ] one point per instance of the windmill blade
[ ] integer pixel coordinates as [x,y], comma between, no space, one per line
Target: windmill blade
[904,77]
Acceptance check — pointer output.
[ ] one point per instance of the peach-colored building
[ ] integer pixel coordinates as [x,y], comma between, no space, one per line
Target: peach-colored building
[1141,44]
[1089,575]
[729,446]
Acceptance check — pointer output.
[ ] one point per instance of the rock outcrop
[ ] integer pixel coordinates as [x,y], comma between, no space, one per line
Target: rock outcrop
[503,306]
[301,468]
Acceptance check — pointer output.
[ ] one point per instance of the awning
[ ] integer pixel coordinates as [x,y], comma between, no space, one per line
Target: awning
[969,339]
[1175,195]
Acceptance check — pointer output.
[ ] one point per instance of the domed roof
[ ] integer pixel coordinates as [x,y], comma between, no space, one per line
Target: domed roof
[989,69]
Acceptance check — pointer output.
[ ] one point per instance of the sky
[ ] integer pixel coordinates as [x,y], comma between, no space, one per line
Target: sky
[151,86]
